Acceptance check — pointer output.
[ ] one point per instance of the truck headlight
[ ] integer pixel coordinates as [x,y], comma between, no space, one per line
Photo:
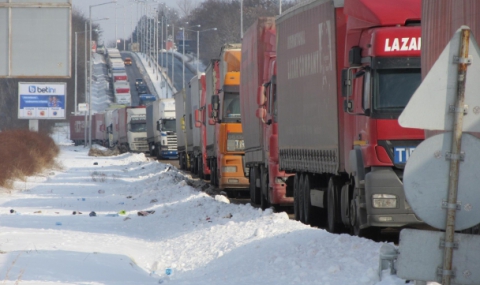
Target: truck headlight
[384,201]
[235,142]
[229,169]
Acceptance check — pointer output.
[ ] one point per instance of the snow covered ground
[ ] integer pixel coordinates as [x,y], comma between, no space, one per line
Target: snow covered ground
[48,236]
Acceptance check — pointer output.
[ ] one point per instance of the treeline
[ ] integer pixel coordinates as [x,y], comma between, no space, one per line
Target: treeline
[9,87]
[224,15]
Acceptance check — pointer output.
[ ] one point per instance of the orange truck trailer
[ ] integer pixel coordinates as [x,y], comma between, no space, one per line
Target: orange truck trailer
[227,167]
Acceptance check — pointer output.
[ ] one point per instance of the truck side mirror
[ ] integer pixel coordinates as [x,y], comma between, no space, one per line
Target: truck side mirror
[210,110]
[261,95]
[215,102]
[158,126]
[198,123]
[346,82]
[261,113]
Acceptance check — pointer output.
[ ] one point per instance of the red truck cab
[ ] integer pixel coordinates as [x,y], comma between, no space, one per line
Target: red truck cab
[268,184]
[381,72]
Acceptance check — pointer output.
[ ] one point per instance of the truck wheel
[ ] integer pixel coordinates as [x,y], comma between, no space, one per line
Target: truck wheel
[370,232]
[214,173]
[181,161]
[150,150]
[345,206]
[200,167]
[296,198]
[264,200]
[254,190]
[193,165]
[311,214]
[157,153]
[333,217]
[301,213]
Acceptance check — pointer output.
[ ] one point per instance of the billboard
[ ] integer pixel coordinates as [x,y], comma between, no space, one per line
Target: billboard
[35,38]
[42,100]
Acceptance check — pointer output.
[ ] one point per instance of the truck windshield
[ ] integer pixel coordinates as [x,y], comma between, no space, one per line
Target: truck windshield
[392,89]
[138,127]
[169,125]
[231,107]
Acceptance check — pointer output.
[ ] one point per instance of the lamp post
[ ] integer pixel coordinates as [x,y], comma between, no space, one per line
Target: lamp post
[124,20]
[198,44]
[241,19]
[198,41]
[183,53]
[116,37]
[76,61]
[76,72]
[91,66]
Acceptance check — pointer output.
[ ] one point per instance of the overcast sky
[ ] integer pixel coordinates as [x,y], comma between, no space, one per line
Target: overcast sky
[108,11]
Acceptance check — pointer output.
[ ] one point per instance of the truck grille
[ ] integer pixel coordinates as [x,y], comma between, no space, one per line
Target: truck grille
[140,147]
[172,142]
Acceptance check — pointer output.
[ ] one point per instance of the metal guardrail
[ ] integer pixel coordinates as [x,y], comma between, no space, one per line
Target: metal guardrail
[163,74]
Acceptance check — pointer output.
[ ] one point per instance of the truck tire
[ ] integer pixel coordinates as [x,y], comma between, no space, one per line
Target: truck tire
[334,224]
[150,150]
[296,198]
[181,158]
[264,200]
[200,167]
[370,232]
[214,173]
[312,215]
[157,153]
[345,206]
[254,190]
[300,196]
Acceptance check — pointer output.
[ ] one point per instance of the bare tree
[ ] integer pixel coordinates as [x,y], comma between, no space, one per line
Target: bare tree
[225,16]
[186,6]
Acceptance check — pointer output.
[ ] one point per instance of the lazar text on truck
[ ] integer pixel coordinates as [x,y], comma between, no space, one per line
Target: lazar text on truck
[344,72]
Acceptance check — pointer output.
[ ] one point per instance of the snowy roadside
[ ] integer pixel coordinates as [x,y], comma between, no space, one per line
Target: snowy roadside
[149,222]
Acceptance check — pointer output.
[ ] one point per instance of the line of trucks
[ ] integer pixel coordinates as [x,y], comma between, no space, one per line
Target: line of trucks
[119,78]
[148,128]
[303,113]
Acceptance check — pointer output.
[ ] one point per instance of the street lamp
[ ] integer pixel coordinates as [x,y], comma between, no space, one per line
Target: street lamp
[76,61]
[124,20]
[198,41]
[183,53]
[241,19]
[91,66]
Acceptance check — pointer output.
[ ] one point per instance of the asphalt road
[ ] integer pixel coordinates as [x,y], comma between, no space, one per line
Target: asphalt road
[133,73]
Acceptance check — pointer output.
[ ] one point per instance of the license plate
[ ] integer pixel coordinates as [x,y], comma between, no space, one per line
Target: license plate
[401,154]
